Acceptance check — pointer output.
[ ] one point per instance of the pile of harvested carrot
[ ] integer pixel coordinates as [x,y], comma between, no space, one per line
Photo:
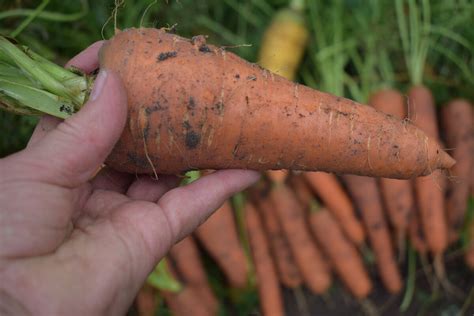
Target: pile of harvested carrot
[301,235]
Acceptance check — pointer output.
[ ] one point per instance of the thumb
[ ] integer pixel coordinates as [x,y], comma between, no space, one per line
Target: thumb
[70,154]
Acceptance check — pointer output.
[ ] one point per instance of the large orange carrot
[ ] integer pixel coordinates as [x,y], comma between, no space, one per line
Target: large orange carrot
[343,255]
[310,262]
[458,126]
[185,255]
[196,106]
[333,196]
[284,261]
[397,194]
[366,195]
[429,189]
[271,299]
[219,237]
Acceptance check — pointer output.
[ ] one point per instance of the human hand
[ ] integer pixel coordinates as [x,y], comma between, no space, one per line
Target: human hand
[72,243]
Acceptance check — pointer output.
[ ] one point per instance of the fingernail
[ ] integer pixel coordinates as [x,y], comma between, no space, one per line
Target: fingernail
[98,85]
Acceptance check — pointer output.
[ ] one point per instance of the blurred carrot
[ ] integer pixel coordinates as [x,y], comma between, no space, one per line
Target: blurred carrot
[365,194]
[186,302]
[458,124]
[184,299]
[331,193]
[343,254]
[429,189]
[397,194]
[302,191]
[341,251]
[277,176]
[285,263]
[310,261]
[185,255]
[219,237]
[416,235]
[271,299]
[146,301]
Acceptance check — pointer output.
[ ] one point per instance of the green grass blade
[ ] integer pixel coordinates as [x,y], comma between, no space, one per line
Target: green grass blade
[410,285]
[162,279]
[30,18]
[47,15]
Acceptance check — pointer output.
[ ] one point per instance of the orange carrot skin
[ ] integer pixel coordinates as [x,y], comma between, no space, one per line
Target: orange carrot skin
[196,106]
[185,255]
[302,191]
[277,176]
[458,123]
[430,189]
[397,194]
[343,254]
[285,263]
[308,257]
[328,188]
[219,237]
[186,302]
[146,301]
[271,298]
[365,194]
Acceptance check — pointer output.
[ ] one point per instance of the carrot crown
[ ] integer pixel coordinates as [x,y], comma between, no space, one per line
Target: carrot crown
[32,85]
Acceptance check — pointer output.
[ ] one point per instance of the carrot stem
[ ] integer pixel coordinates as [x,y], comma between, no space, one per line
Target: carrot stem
[39,85]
